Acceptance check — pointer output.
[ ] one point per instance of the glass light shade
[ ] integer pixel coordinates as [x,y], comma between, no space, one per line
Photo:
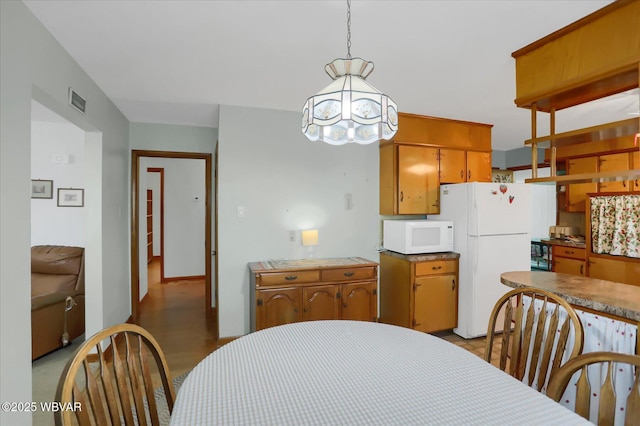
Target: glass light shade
[349,109]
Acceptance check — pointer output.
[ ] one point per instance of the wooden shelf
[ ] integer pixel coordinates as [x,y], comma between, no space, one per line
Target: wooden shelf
[612,176]
[616,129]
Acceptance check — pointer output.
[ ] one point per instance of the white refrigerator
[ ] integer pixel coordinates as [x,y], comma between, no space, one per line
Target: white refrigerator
[492,233]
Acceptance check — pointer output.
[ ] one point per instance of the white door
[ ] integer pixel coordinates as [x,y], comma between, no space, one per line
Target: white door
[496,254]
[498,209]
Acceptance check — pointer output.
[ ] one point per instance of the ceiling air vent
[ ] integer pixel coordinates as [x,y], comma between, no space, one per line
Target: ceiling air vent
[77,101]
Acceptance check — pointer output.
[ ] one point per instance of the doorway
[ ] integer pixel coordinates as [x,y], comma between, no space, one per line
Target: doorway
[206,251]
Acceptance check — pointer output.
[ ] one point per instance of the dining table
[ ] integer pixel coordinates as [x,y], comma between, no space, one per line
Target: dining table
[339,372]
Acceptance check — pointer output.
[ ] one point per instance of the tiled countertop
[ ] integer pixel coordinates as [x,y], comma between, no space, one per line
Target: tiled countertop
[423,257]
[616,299]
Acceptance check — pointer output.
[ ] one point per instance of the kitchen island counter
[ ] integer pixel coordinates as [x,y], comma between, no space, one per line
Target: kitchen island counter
[597,303]
[618,300]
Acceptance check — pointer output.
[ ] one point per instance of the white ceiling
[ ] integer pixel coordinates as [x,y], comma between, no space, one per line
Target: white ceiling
[175,62]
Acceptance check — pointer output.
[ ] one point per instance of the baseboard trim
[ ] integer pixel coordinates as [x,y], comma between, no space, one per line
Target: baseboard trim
[186,278]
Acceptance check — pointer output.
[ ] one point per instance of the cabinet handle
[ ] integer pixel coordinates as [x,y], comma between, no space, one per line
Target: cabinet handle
[624,183]
[582,269]
[401,196]
[570,252]
[435,268]
[306,310]
[337,295]
[291,277]
[453,284]
[348,274]
[344,305]
[469,175]
[461,174]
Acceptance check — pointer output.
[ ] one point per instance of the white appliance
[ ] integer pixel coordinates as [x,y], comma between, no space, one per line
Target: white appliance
[417,236]
[493,235]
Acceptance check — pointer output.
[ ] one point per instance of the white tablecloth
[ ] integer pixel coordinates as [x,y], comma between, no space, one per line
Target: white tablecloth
[349,372]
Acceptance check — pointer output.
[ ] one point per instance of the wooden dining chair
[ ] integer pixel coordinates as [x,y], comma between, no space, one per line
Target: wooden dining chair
[532,344]
[115,385]
[607,396]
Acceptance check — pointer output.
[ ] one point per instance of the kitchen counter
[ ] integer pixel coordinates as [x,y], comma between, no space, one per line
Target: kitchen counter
[559,242]
[423,257]
[618,300]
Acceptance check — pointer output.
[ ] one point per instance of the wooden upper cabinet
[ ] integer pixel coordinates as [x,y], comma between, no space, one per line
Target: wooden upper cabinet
[613,162]
[550,74]
[458,166]
[443,132]
[418,185]
[577,192]
[635,163]
[478,166]
[453,166]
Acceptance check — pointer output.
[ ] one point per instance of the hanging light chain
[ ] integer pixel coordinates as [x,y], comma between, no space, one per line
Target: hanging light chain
[348,29]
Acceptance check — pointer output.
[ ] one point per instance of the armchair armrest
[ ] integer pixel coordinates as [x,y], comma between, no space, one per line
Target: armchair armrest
[39,302]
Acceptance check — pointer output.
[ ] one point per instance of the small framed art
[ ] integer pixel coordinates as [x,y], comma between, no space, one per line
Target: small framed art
[70,197]
[41,188]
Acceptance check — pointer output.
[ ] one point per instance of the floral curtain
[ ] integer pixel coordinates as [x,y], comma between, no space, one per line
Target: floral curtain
[600,334]
[615,225]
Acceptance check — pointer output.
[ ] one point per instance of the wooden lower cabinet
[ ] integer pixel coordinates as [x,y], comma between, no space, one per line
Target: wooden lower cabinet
[569,260]
[421,294]
[609,268]
[284,292]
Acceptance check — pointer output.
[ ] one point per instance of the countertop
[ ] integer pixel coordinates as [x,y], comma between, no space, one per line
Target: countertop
[559,242]
[615,299]
[313,263]
[449,255]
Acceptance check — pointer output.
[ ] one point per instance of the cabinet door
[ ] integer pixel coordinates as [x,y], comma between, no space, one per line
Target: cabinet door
[436,303]
[635,164]
[320,303]
[613,162]
[418,187]
[569,266]
[620,271]
[359,301]
[576,192]
[452,166]
[478,166]
[277,306]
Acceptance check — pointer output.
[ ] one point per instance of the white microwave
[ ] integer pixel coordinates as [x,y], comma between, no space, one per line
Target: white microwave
[417,236]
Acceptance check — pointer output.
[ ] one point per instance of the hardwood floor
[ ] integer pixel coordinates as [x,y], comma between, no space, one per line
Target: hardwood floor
[175,314]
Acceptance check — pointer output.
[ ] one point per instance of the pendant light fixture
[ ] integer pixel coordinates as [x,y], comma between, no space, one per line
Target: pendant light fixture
[349,109]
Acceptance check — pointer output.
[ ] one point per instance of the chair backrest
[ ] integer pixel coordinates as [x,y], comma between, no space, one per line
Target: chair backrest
[532,343]
[114,385]
[607,397]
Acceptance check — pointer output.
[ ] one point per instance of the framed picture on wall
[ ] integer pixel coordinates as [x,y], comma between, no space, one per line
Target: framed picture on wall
[41,188]
[70,197]
[502,176]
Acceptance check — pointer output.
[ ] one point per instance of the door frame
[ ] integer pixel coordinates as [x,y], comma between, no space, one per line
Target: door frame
[160,171]
[135,202]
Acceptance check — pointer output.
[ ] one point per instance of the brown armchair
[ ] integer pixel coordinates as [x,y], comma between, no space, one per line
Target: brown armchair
[57,297]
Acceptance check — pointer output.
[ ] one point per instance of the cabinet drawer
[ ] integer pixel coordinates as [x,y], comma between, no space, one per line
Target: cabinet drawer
[436,267]
[289,277]
[349,274]
[574,253]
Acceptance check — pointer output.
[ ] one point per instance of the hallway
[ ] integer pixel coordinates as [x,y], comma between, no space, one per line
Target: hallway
[174,313]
